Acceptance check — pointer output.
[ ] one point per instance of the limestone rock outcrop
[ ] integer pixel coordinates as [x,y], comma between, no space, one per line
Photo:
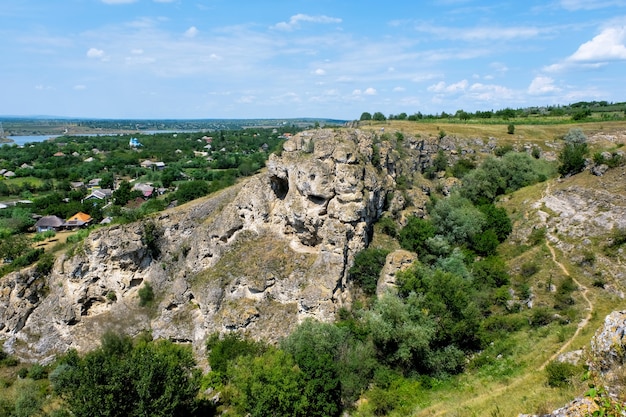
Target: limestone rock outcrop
[258,257]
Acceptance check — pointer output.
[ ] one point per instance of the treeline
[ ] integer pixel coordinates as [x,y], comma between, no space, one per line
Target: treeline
[579,111]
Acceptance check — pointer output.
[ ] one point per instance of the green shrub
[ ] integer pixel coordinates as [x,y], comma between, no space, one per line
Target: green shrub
[503,150]
[366,269]
[510,129]
[37,372]
[146,295]
[560,374]
[388,226]
[529,269]
[541,316]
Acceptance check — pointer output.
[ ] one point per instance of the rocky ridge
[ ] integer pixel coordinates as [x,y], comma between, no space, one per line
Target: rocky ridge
[258,257]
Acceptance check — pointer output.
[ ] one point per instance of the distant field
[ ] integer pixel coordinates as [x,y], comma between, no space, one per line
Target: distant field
[526,132]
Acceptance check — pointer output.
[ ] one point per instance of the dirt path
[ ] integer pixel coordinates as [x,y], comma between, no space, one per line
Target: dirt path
[581,325]
[583,292]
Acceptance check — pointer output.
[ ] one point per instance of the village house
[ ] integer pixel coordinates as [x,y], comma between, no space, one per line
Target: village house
[78,220]
[47,223]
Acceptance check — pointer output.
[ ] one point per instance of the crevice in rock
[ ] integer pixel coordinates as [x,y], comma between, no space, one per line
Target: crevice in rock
[229,233]
[135,282]
[316,199]
[280,186]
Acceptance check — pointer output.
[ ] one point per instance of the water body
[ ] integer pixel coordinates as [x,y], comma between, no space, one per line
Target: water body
[22,140]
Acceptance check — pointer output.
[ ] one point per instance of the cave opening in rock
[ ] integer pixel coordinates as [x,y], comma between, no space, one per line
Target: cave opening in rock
[280,186]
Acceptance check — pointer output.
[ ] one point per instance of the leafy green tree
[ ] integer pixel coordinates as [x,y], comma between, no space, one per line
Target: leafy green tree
[401,331]
[225,349]
[366,116]
[379,117]
[269,385]
[456,219]
[125,379]
[318,363]
[572,156]
[366,269]
[190,190]
[413,237]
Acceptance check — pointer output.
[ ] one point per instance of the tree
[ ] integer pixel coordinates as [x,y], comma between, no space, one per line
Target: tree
[414,235]
[318,363]
[572,157]
[366,116]
[190,190]
[379,117]
[366,269]
[269,385]
[122,378]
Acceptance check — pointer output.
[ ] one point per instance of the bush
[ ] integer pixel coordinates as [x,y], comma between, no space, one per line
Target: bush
[388,226]
[541,316]
[366,269]
[572,157]
[560,373]
[510,129]
[146,295]
[503,150]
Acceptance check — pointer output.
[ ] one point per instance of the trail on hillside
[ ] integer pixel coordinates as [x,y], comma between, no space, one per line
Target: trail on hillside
[581,325]
[583,292]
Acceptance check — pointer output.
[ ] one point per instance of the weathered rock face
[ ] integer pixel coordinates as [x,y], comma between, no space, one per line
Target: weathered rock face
[258,257]
[608,351]
[607,358]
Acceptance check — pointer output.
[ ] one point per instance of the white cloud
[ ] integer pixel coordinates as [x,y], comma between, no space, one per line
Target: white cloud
[164,1]
[294,21]
[319,71]
[399,89]
[442,87]
[542,85]
[192,32]
[370,91]
[607,46]
[95,53]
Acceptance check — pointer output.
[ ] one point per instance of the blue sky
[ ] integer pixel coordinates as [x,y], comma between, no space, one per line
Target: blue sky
[187,59]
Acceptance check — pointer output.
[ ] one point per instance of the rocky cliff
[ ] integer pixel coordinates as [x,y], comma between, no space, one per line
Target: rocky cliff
[258,257]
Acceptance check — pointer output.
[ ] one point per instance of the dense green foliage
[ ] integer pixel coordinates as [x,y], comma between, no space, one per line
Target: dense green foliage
[366,268]
[122,378]
[572,157]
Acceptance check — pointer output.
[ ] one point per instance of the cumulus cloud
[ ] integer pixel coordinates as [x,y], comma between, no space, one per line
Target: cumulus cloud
[442,87]
[191,32]
[319,71]
[95,53]
[542,85]
[607,46]
[295,20]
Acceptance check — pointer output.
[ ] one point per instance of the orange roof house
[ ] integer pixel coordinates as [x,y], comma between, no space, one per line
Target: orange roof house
[78,220]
